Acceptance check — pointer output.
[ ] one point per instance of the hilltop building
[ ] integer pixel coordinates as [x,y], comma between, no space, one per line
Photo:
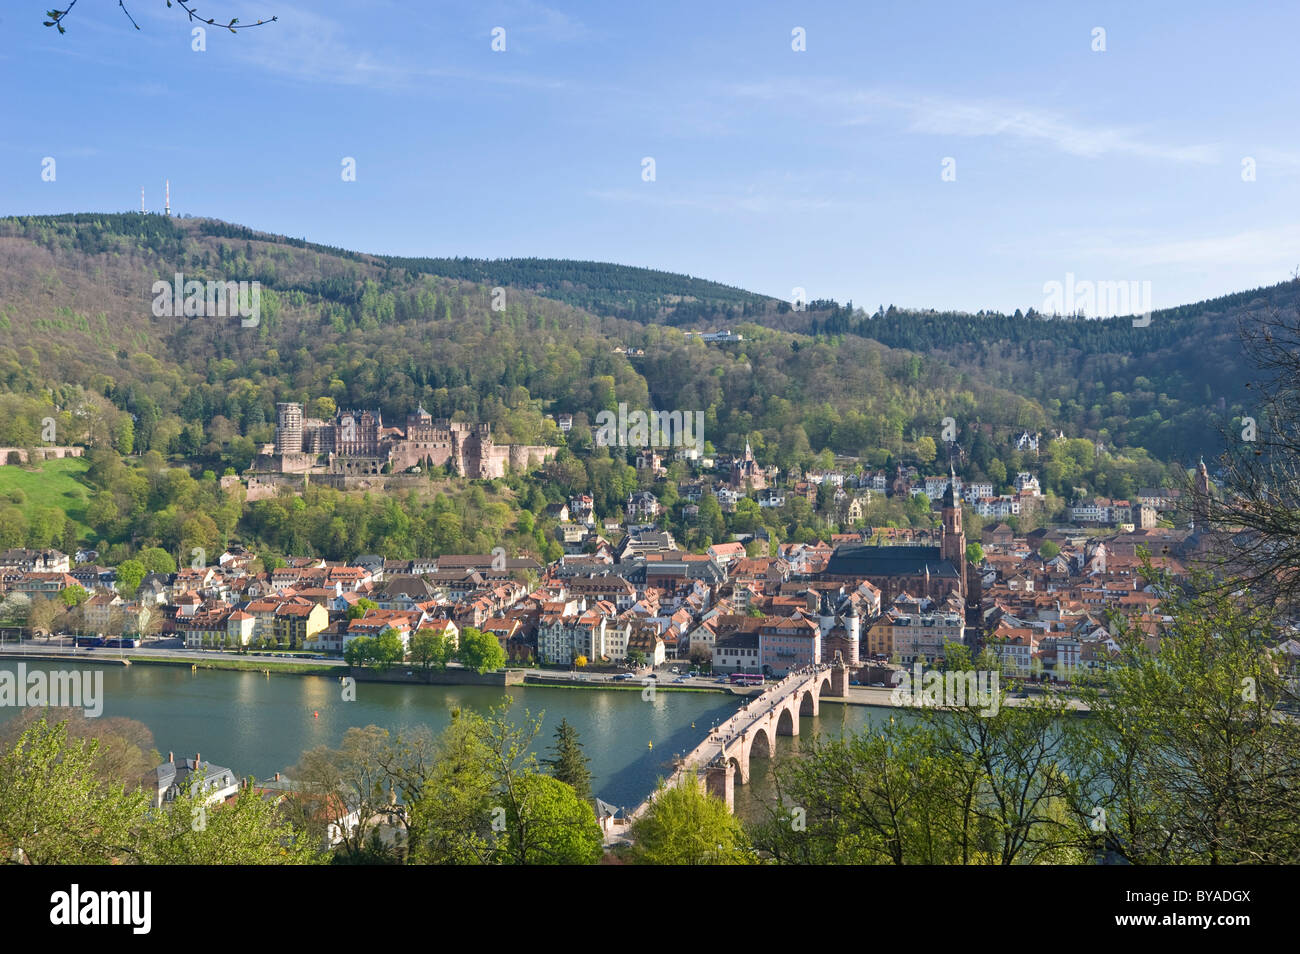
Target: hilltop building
[356,443]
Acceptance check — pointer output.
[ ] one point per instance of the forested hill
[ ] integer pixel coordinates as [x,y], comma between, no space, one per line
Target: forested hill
[620,291]
[1164,386]
[645,295]
[78,338]
[1146,384]
[370,331]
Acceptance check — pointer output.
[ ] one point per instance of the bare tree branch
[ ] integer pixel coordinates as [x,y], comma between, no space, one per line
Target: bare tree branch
[56,17]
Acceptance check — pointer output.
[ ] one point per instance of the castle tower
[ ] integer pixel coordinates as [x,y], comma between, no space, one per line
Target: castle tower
[953,548]
[826,615]
[288,428]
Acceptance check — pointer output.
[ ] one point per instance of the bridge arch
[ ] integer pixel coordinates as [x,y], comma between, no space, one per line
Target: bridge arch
[810,701]
[760,744]
[741,766]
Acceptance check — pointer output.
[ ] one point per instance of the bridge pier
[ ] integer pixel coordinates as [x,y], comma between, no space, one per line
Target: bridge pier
[721,781]
[839,677]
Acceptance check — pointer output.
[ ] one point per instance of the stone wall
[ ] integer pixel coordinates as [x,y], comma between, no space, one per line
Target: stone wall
[448,677]
[42,453]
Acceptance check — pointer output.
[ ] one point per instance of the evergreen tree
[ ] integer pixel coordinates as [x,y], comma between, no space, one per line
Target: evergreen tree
[569,764]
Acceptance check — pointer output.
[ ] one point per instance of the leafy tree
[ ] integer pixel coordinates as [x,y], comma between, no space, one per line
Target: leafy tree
[359,650]
[74,595]
[157,560]
[361,607]
[568,763]
[548,824]
[452,819]
[686,826]
[54,807]
[973,784]
[974,553]
[580,661]
[480,651]
[926,450]
[388,649]
[1192,759]
[432,649]
[1049,550]
[247,830]
[129,575]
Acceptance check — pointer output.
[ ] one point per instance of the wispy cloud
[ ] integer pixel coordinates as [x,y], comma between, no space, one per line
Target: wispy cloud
[316,49]
[1268,248]
[1066,134]
[969,118]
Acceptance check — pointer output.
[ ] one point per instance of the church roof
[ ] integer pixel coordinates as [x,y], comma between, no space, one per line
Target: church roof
[869,561]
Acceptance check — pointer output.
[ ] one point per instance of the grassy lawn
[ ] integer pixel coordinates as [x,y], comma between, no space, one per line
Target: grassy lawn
[56,483]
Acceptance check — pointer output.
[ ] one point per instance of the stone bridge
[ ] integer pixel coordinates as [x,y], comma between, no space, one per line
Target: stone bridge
[721,761]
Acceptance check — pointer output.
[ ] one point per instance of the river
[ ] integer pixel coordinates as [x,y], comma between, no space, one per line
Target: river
[258,725]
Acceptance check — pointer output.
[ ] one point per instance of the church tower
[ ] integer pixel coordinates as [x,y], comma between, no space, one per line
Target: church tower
[953,548]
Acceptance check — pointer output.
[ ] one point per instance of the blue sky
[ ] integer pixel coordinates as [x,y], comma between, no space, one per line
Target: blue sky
[774,169]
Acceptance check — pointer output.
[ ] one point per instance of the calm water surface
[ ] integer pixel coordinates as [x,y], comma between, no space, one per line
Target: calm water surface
[258,725]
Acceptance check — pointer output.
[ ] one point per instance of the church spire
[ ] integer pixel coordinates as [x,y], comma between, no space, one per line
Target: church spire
[949,495]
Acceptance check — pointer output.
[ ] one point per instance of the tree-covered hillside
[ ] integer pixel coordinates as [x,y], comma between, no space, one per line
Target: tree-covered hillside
[183,399]
[621,291]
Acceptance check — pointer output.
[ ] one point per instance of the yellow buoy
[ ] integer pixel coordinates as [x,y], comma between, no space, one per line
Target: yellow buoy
[650,745]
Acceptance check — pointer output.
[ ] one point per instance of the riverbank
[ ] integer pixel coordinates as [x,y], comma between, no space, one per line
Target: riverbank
[234,663]
[542,682]
[878,698]
[54,657]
